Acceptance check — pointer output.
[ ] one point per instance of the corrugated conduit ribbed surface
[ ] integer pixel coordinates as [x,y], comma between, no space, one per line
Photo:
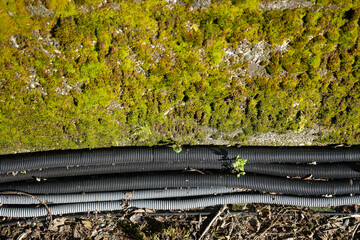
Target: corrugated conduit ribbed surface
[178,204]
[330,171]
[102,179]
[113,196]
[50,159]
[259,183]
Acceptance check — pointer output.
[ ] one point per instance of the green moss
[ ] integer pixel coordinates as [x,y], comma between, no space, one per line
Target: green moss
[315,61]
[148,73]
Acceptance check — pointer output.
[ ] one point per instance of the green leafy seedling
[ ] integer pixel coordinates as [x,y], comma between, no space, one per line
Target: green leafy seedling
[239,165]
[177,148]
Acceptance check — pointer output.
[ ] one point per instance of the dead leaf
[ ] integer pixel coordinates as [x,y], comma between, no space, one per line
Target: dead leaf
[129,194]
[87,224]
[308,177]
[22,236]
[77,233]
[56,223]
[160,219]
[143,211]
[94,233]
[249,227]
[136,218]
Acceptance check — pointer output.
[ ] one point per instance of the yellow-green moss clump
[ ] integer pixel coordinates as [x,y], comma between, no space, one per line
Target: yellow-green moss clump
[90,73]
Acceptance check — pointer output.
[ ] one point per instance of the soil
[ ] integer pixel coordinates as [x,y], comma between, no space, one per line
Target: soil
[251,221]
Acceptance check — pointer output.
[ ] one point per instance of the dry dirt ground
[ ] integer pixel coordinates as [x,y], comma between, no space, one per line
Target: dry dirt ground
[251,221]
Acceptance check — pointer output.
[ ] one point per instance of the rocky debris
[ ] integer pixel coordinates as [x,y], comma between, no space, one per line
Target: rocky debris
[2,83]
[138,63]
[47,45]
[14,42]
[191,26]
[39,11]
[285,4]
[172,3]
[216,137]
[10,13]
[66,87]
[107,3]
[34,84]
[281,48]
[115,6]
[159,51]
[114,105]
[306,137]
[254,55]
[86,8]
[200,5]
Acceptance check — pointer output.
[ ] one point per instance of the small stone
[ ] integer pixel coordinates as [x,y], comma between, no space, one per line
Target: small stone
[200,4]
[10,13]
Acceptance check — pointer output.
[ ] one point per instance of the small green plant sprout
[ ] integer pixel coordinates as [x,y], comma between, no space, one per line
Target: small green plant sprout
[177,148]
[239,165]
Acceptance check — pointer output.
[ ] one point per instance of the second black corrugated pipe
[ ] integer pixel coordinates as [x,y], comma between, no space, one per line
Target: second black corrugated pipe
[260,183]
[108,169]
[327,171]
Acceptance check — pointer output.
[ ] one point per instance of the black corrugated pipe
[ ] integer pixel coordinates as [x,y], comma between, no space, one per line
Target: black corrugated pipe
[20,162]
[113,196]
[178,204]
[109,169]
[327,171]
[260,183]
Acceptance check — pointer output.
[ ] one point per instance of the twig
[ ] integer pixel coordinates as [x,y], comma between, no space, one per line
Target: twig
[195,170]
[29,195]
[355,230]
[212,222]
[273,223]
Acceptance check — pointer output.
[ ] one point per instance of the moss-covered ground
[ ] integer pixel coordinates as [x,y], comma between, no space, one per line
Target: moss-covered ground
[77,74]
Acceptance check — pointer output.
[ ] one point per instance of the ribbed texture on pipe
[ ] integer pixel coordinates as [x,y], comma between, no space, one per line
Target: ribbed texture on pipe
[179,204]
[260,183]
[243,198]
[113,196]
[327,171]
[29,161]
[297,155]
[192,154]
[107,169]
[260,154]
[60,209]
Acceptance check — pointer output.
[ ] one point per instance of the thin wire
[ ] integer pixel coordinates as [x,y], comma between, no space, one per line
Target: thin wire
[32,196]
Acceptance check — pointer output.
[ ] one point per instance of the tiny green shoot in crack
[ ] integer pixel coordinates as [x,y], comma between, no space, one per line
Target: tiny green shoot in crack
[239,165]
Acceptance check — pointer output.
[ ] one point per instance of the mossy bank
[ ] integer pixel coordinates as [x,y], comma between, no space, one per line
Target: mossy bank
[86,74]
